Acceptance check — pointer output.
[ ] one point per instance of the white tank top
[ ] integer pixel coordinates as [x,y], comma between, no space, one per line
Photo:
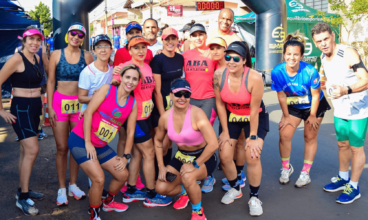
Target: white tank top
[337,71]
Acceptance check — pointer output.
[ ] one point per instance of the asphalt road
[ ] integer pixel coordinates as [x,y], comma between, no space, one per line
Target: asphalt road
[279,201]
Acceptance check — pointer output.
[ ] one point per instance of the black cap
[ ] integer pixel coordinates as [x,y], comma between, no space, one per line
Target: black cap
[101,37]
[180,85]
[238,47]
[197,27]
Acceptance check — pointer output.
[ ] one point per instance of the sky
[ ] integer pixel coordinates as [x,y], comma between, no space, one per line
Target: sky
[31,4]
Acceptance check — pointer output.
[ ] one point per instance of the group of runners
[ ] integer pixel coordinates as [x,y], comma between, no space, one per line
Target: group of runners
[143,97]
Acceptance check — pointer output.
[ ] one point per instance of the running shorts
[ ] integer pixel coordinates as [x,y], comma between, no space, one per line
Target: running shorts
[77,148]
[178,161]
[352,130]
[208,106]
[142,131]
[27,112]
[67,108]
[155,117]
[304,113]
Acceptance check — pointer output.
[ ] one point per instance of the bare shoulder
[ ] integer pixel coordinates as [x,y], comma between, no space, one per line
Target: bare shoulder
[16,58]
[254,75]
[352,56]
[55,55]
[198,113]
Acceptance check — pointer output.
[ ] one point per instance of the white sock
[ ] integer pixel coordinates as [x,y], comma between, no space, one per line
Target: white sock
[344,175]
[90,182]
[354,184]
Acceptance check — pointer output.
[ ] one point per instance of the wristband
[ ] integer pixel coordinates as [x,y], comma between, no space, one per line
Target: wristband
[350,90]
[195,164]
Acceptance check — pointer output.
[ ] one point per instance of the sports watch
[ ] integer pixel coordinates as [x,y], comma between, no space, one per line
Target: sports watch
[350,90]
[253,137]
[127,156]
[195,164]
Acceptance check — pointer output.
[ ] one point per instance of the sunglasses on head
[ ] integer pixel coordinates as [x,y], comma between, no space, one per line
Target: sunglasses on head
[180,94]
[235,58]
[80,35]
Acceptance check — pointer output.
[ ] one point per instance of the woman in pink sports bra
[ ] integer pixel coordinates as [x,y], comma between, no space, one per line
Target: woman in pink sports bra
[189,128]
[108,110]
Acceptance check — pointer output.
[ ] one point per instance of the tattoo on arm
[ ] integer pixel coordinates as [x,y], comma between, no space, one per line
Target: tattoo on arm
[159,147]
[215,80]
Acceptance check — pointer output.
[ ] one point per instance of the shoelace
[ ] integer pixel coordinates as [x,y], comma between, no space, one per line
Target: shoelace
[254,201]
[303,176]
[335,179]
[285,173]
[231,192]
[348,189]
[207,182]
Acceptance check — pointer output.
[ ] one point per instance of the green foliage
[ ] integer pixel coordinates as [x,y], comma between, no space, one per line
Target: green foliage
[43,15]
[91,28]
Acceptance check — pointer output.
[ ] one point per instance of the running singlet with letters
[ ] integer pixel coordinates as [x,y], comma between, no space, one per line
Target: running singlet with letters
[107,119]
[297,88]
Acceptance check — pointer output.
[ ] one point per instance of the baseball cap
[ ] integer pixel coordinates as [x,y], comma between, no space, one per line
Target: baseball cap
[180,85]
[32,32]
[169,31]
[133,25]
[101,37]
[197,27]
[219,41]
[137,40]
[78,27]
[238,47]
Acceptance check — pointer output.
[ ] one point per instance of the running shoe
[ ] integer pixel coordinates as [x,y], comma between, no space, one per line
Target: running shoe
[208,184]
[303,180]
[285,174]
[255,206]
[182,202]
[225,181]
[196,216]
[198,182]
[32,195]
[42,133]
[349,195]
[16,138]
[158,200]
[139,184]
[124,188]
[132,197]
[337,184]
[227,186]
[40,137]
[27,207]
[61,198]
[115,206]
[74,191]
[231,195]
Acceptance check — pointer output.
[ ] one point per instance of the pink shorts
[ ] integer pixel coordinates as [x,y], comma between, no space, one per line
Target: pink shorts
[67,108]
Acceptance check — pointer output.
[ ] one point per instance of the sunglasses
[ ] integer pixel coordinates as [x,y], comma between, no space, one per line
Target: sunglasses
[39,74]
[80,35]
[235,58]
[180,94]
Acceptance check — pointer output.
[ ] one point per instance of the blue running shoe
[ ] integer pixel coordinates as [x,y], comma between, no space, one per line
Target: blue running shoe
[32,195]
[225,181]
[337,184]
[27,206]
[136,196]
[349,195]
[208,184]
[158,200]
[42,133]
[227,186]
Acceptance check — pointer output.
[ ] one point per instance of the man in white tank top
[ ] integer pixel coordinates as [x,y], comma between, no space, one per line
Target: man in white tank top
[347,84]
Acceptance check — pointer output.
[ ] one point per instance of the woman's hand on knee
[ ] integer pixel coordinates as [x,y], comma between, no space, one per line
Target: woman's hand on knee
[120,163]
[223,138]
[162,173]
[187,168]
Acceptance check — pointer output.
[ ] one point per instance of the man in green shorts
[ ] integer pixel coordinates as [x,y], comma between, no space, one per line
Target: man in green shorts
[347,84]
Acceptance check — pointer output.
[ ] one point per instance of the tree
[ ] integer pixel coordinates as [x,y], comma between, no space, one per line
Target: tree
[350,14]
[43,15]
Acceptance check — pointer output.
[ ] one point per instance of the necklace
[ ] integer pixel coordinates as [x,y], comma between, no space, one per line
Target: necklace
[240,78]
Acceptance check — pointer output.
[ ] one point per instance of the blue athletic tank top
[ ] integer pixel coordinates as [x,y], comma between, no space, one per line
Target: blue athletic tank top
[69,72]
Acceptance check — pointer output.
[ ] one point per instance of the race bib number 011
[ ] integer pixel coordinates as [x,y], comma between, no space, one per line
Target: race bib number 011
[239,118]
[184,158]
[70,106]
[169,103]
[147,108]
[297,100]
[106,132]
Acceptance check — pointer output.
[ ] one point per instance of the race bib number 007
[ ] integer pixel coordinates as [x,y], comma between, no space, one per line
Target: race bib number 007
[70,106]
[297,100]
[147,108]
[106,132]
[169,103]
[239,118]
[184,158]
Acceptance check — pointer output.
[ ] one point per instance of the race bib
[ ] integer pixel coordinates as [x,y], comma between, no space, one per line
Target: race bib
[70,106]
[147,108]
[184,158]
[239,118]
[106,132]
[169,103]
[297,100]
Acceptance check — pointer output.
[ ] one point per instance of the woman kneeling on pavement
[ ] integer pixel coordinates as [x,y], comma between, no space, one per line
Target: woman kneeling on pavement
[109,108]
[239,91]
[189,128]
[299,92]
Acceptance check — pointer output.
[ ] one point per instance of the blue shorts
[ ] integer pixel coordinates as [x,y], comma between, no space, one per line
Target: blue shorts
[142,131]
[77,149]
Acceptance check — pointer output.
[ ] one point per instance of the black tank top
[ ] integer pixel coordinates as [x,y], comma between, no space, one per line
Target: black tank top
[30,78]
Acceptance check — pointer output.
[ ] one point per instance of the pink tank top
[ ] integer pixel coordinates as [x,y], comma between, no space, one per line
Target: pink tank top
[187,135]
[107,119]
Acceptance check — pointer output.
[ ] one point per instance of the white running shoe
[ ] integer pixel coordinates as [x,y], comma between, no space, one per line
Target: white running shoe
[231,195]
[304,179]
[61,198]
[255,206]
[75,192]
[285,174]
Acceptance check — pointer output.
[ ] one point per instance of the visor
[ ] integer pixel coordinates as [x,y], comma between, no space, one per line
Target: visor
[197,27]
[32,32]
[237,48]
[180,85]
[77,27]
[169,31]
[218,41]
[137,40]
[133,25]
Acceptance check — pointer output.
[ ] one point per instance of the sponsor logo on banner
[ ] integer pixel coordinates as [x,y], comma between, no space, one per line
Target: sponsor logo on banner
[297,6]
[174,10]
[278,34]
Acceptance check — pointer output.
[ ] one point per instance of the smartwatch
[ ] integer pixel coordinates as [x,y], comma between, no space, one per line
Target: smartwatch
[253,137]
[127,156]
[350,90]
[195,164]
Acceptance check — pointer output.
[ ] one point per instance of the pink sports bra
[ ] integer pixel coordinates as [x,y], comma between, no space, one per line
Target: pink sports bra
[187,135]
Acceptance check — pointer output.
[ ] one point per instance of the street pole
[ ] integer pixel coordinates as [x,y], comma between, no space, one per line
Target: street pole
[151,1]
[106,16]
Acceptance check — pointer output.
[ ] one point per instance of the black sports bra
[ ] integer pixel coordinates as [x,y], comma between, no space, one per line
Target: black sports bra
[30,78]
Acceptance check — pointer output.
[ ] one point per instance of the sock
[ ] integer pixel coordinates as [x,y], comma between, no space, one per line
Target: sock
[131,189]
[90,182]
[285,163]
[151,193]
[95,211]
[239,170]
[354,184]
[183,191]
[19,189]
[307,166]
[24,196]
[344,175]
[253,191]
[197,208]
[234,184]
[110,197]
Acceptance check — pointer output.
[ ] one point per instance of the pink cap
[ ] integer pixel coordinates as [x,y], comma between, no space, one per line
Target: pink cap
[169,31]
[32,32]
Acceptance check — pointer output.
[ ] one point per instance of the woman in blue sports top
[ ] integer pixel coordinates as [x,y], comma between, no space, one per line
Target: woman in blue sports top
[298,88]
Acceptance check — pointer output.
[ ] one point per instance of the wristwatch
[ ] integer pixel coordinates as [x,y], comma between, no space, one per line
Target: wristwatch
[350,90]
[195,164]
[253,137]
[127,156]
